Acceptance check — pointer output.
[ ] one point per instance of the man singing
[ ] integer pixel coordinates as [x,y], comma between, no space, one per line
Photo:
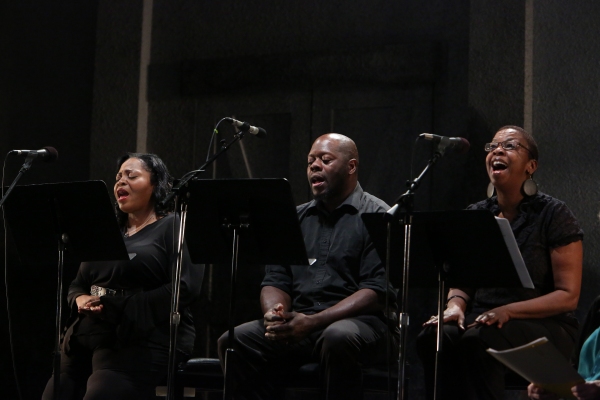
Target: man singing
[331,311]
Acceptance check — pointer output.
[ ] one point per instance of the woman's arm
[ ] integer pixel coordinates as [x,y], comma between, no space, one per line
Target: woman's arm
[566,270]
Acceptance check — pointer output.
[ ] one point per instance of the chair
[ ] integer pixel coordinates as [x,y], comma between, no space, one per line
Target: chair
[205,375]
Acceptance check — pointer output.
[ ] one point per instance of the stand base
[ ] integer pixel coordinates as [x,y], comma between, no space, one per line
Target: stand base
[228,376]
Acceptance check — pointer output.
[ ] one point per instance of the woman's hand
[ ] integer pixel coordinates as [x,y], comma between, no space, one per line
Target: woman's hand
[587,390]
[89,305]
[452,313]
[498,315]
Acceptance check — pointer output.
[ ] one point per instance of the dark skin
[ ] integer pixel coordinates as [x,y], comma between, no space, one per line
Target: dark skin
[332,174]
[566,260]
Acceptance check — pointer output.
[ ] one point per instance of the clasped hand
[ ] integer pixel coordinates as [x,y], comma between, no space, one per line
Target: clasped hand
[89,305]
[287,327]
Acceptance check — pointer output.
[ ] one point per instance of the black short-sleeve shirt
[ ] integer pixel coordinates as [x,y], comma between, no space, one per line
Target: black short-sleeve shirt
[543,223]
[341,254]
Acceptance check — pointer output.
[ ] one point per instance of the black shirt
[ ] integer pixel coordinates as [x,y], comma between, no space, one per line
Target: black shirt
[543,223]
[342,256]
[142,317]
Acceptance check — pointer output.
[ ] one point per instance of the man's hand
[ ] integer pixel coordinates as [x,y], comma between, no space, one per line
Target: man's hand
[273,316]
[89,305]
[294,328]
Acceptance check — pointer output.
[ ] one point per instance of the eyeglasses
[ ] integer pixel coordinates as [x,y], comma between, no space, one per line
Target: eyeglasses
[508,145]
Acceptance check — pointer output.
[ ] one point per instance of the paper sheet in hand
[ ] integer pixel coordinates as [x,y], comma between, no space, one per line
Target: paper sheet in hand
[515,253]
[541,363]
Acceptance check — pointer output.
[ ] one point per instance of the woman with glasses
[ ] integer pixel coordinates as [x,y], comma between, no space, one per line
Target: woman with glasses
[117,342]
[550,240]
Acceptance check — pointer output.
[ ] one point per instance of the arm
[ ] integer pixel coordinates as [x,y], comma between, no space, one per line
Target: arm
[566,269]
[79,297]
[143,312]
[297,326]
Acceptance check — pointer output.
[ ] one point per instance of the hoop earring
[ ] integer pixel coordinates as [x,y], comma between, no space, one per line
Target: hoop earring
[530,187]
[490,190]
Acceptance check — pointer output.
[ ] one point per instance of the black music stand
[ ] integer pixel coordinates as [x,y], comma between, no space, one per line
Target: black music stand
[242,221]
[447,249]
[74,216]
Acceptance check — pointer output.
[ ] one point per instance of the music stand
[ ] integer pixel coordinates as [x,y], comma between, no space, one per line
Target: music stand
[447,248]
[242,221]
[74,216]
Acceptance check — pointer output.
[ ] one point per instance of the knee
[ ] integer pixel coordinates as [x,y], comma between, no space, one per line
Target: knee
[339,342]
[107,384]
[473,342]
[222,345]
[426,340]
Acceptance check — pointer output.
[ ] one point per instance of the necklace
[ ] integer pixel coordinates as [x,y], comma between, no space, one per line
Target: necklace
[129,233]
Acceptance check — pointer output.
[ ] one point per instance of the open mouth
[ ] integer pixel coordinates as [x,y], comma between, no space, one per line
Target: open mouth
[499,166]
[316,180]
[122,194]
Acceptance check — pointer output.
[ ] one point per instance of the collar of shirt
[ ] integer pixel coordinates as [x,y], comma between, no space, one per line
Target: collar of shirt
[351,201]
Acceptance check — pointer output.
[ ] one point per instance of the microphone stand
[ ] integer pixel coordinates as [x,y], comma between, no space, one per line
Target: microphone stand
[61,249]
[176,281]
[24,168]
[405,203]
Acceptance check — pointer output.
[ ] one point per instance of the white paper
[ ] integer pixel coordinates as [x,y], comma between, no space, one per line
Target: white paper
[515,253]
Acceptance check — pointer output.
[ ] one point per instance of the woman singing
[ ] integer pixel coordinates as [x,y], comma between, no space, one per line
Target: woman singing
[117,343]
[550,240]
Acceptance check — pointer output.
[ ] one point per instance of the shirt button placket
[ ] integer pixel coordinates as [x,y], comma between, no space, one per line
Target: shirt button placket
[324,241]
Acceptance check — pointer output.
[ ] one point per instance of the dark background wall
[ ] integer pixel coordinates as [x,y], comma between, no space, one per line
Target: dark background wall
[381,72]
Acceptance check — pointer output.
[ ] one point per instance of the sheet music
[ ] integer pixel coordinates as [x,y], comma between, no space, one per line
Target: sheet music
[515,253]
[540,362]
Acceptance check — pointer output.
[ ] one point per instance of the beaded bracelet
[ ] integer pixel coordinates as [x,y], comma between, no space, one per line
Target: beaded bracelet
[456,295]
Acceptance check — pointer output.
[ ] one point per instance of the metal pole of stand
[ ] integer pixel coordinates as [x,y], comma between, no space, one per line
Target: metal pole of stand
[59,285]
[229,353]
[175,316]
[404,319]
[440,332]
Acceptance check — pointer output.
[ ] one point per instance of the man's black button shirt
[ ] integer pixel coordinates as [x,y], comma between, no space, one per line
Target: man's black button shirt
[342,256]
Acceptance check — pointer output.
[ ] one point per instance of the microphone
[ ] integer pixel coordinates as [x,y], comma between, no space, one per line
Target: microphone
[246,127]
[48,153]
[460,145]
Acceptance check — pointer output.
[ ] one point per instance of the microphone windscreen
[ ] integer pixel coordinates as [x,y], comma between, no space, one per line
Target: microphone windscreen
[51,155]
[464,146]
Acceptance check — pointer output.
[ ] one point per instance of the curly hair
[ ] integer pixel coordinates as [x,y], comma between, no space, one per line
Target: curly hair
[160,179]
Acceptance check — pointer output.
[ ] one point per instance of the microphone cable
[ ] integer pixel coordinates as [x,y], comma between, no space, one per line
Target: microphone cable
[10,336]
[212,138]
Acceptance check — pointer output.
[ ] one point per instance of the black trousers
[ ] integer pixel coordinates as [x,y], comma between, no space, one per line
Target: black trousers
[467,370]
[342,348]
[95,370]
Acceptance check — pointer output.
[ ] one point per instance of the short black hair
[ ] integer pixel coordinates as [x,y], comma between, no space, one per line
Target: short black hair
[160,179]
[531,143]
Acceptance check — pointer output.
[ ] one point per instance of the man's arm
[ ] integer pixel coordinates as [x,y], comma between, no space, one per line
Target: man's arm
[296,326]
